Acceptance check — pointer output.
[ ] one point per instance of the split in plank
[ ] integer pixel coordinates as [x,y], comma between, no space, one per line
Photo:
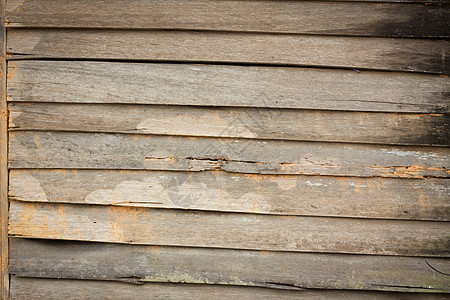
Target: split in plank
[152,226]
[393,54]
[84,260]
[387,198]
[76,150]
[51,289]
[305,17]
[221,85]
[257,123]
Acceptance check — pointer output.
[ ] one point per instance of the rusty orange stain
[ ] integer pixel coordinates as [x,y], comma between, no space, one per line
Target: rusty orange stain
[11,71]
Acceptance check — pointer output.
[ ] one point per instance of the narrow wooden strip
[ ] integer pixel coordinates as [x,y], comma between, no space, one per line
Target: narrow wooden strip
[220,191]
[327,51]
[306,17]
[258,123]
[82,260]
[211,85]
[4,276]
[56,289]
[231,230]
[77,150]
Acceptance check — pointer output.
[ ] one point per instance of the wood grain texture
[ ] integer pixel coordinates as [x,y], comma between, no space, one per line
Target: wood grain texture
[256,123]
[60,150]
[56,289]
[305,17]
[4,276]
[150,226]
[133,263]
[385,198]
[220,85]
[418,55]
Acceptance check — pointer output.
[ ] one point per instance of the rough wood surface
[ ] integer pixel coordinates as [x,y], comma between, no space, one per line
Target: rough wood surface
[418,55]
[288,270]
[388,198]
[4,276]
[150,226]
[220,85]
[78,150]
[56,289]
[257,123]
[306,17]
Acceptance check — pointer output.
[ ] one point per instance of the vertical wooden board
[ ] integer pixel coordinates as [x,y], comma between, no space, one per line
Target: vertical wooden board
[279,270]
[4,280]
[56,289]
[391,198]
[406,54]
[221,85]
[151,226]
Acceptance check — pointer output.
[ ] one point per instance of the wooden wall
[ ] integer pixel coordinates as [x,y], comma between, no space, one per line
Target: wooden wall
[228,149]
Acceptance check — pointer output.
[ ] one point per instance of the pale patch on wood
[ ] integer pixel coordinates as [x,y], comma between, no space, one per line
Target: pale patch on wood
[28,185]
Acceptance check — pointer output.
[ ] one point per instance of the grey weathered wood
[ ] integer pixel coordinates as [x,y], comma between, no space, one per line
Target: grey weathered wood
[56,289]
[220,191]
[311,17]
[418,55]
[77,150]
[102,261]
[151,226]
[258,123]
[211,85]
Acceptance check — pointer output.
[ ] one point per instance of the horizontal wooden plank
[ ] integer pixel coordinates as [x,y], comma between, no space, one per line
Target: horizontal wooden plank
[389,198]
[257,123]
[56,289]
[83,260]
[220,85]
[306,17]
[418,55]
[151,226]
[77,150]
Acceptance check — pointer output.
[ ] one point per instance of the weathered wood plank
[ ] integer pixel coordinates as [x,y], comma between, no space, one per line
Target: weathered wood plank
[56,289]
[258,123]
[387,198]
[4,276]
[83,260]
[418,55]
[211,85]
[59,150]
[150,226]
[305,17]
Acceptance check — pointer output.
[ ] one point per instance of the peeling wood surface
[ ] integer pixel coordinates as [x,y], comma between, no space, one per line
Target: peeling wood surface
[220,85]
[151,226]
[418,55]
[258,123]
[30,149]
[81,260]
[220,191]
[51,289]
[306,17]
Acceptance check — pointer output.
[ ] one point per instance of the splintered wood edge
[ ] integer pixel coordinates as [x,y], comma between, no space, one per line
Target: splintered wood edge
[3,159]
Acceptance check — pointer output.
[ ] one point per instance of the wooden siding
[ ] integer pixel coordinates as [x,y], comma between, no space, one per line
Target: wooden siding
[227,149]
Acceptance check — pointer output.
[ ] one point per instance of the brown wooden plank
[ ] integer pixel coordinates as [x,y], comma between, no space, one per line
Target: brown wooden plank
[305,17]
[77,150]
[418,55]
[4,276]
[150,226]
[212,85]
[83,260]
[56,289]
[257,123]
[388,198]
